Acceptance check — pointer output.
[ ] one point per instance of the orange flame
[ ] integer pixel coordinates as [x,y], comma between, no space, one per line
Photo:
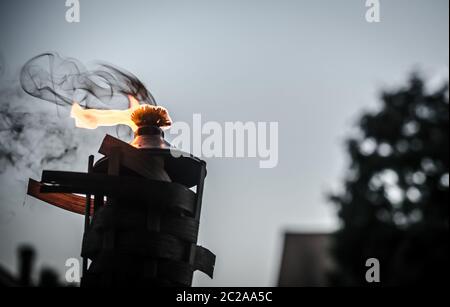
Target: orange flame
[93,118]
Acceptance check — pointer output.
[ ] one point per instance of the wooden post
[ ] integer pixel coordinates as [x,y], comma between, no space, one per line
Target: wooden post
[198,210]
[87,212]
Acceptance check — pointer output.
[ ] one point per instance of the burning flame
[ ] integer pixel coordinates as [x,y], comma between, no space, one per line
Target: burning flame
[136,115]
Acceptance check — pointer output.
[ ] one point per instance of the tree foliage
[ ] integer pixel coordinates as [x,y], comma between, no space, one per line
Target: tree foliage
[394,205]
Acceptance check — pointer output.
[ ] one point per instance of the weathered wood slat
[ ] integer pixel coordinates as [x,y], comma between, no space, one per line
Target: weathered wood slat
[75,178]
[174,270]
[183,227]
[154,245]
[87,211]
[67,201]
[127,268]
[157,192]
[130,156]
[205,261]
[180,168]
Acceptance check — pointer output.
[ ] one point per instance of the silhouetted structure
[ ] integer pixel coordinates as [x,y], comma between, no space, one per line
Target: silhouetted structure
[395,203]
[26,255]
[306,260]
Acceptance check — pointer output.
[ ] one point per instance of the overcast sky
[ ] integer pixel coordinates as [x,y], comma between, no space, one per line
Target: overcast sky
[311,65]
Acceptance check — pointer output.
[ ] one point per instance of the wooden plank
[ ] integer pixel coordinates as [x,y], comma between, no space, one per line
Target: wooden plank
[115,159]
[155,192]
[182,227]
[199,194]
[74,178]
[157,247]
[145,244]
[87,211]
[133,270]
[205,261]
[67,201]
[99,201]
[169,266]
[180,169]
[198,209]
[131,157]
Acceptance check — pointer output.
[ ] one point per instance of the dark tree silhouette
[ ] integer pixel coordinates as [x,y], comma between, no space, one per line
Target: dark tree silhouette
[394,206]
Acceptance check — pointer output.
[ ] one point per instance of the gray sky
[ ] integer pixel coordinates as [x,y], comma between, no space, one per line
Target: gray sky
[311,65]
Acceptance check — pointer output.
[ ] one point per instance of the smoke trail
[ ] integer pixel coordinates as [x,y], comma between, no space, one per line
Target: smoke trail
[62,80]
[29,137]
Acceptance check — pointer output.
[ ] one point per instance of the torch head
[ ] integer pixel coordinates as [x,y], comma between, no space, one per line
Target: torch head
[149,115]
[150,137]
[150,120]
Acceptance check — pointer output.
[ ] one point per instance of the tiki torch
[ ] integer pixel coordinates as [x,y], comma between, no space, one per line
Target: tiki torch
[141,201]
